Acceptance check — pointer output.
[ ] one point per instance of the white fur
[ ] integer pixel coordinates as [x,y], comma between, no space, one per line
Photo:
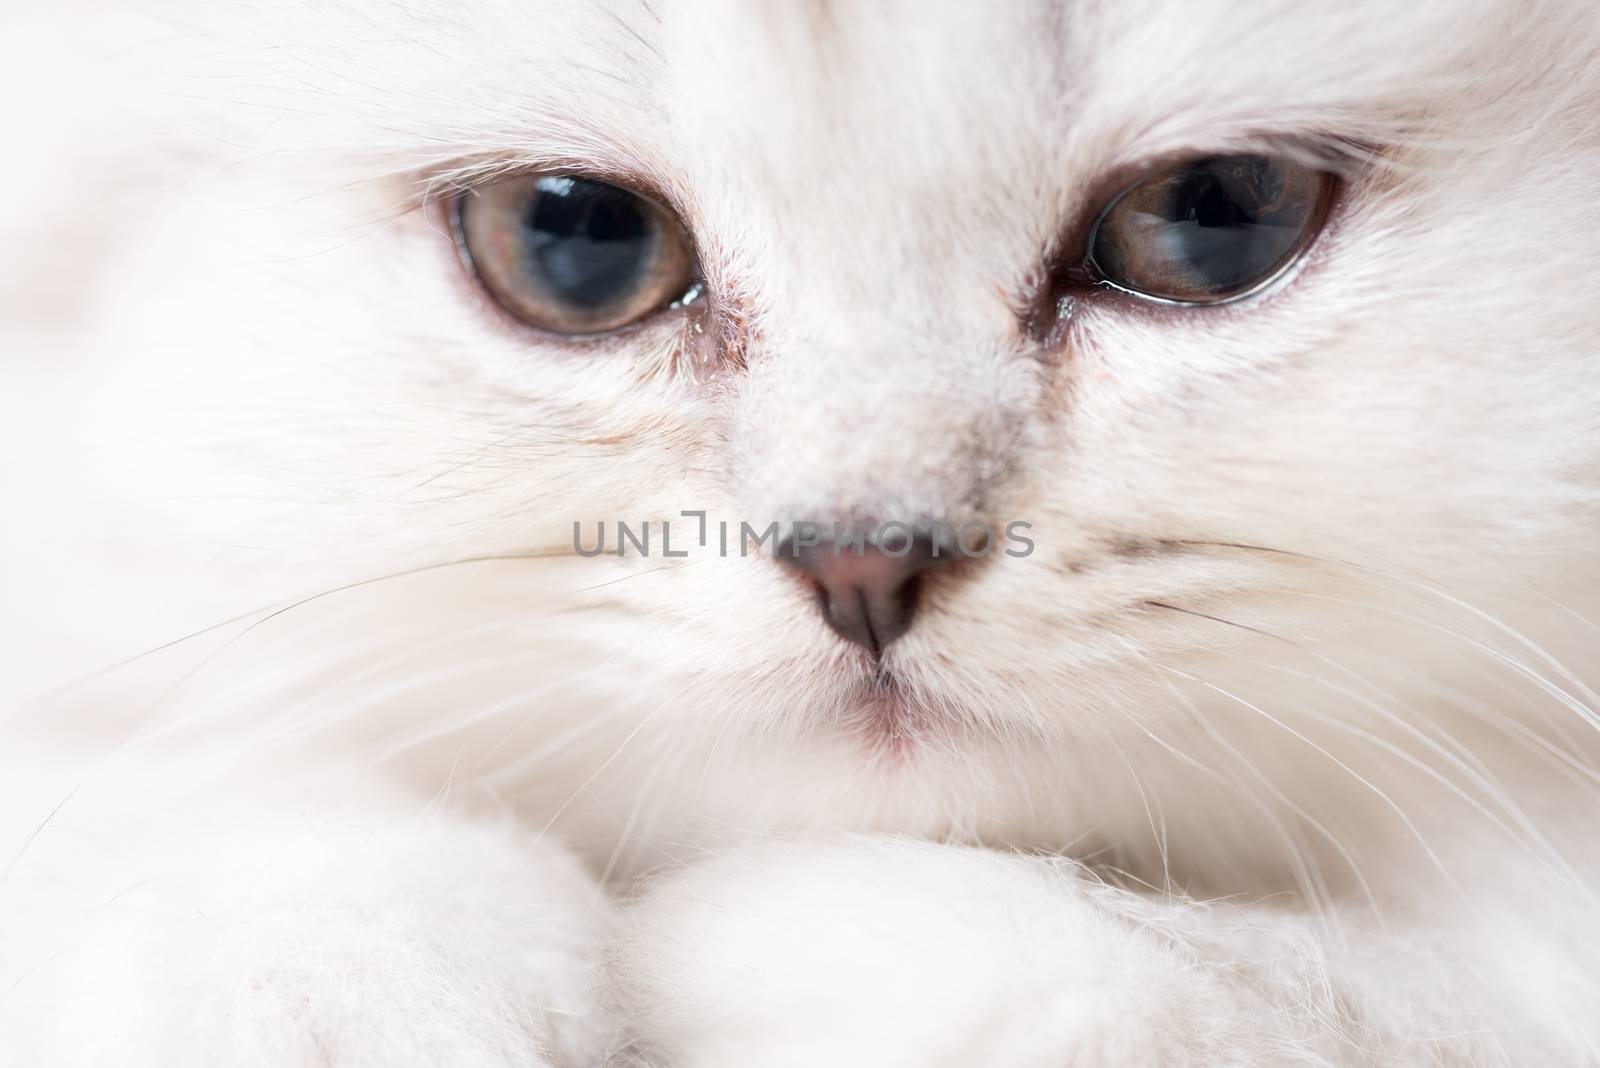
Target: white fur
[1280,749]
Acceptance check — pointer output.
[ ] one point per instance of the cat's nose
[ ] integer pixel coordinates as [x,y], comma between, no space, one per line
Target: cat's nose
[868,593]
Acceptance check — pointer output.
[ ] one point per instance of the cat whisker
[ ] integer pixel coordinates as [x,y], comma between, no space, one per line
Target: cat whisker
[274,611]
[1419,584]
[1495,792]
[625,840]
[600,769]
[456,725]
[1159,833]
[1309,873]
[1404,817]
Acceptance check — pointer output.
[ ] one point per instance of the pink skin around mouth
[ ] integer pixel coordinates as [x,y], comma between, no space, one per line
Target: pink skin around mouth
[886,719]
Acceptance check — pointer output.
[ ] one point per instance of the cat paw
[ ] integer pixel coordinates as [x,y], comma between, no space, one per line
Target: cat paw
[898,954]
[336,947]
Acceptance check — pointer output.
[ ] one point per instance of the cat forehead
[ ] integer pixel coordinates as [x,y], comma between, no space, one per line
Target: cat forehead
[664,84]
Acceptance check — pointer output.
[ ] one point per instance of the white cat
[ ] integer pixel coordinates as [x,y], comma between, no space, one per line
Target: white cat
[1250,348]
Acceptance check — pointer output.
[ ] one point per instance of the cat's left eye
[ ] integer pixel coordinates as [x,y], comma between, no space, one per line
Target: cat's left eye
[1209,230]
[571,255]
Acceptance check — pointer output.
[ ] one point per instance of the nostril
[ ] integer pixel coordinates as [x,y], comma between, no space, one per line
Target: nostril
[868,592]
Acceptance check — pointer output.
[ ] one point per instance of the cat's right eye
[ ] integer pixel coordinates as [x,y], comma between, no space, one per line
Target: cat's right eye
[571,255]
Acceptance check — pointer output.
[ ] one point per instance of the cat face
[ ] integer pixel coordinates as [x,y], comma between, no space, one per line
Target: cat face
[883,209]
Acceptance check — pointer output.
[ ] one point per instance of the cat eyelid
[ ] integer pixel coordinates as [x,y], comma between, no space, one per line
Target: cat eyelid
[449,180]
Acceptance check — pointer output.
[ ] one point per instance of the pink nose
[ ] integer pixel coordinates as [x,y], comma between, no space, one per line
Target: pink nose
[868,595]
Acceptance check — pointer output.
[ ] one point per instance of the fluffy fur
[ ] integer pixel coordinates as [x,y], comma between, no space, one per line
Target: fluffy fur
[1280,749]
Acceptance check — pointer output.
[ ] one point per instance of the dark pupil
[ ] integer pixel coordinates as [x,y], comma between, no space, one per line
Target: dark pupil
[1230,222]
[590,242]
